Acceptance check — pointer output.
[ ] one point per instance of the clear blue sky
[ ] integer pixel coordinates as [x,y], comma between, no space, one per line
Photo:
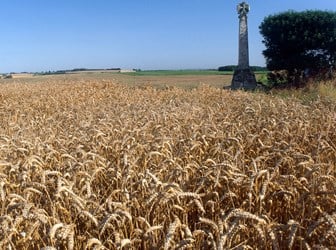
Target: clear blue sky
[41,35]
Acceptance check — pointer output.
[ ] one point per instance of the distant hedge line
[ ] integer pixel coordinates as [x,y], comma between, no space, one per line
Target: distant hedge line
[233,67]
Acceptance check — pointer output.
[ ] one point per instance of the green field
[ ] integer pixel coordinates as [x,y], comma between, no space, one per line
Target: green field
[182,72]
[177,72]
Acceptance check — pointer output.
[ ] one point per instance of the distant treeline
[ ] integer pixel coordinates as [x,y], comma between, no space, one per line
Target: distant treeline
[58,72]
[233,68]
[85,69]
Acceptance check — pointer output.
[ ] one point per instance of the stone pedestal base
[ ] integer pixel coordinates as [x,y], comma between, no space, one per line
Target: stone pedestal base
[243,79]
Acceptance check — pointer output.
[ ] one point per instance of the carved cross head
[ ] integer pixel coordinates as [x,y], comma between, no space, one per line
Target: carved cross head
[242,9]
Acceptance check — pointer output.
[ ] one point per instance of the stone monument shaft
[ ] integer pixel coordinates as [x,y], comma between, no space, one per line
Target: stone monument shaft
[243,61]
[243,77]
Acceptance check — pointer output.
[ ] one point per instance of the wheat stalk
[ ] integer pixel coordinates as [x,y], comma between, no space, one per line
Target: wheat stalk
[171,232]
[90,163]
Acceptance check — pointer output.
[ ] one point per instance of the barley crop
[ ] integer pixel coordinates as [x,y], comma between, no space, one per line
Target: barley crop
[101,165]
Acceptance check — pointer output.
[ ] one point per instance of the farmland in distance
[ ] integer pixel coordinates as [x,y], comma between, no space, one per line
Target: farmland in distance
[124,162]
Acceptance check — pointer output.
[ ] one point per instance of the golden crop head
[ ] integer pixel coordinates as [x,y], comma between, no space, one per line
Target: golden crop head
[98,165]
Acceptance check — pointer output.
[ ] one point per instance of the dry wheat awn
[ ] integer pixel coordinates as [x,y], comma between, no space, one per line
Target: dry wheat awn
[93,164]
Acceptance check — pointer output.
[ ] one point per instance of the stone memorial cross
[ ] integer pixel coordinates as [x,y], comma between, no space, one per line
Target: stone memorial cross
[243,77]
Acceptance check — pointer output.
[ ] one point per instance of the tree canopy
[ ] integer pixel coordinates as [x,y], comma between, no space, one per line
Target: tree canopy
[296,41]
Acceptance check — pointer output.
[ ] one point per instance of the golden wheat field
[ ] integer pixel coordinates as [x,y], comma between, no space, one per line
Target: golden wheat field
[99,165]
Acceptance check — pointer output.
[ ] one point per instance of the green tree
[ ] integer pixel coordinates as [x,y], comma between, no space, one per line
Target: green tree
[298,41]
